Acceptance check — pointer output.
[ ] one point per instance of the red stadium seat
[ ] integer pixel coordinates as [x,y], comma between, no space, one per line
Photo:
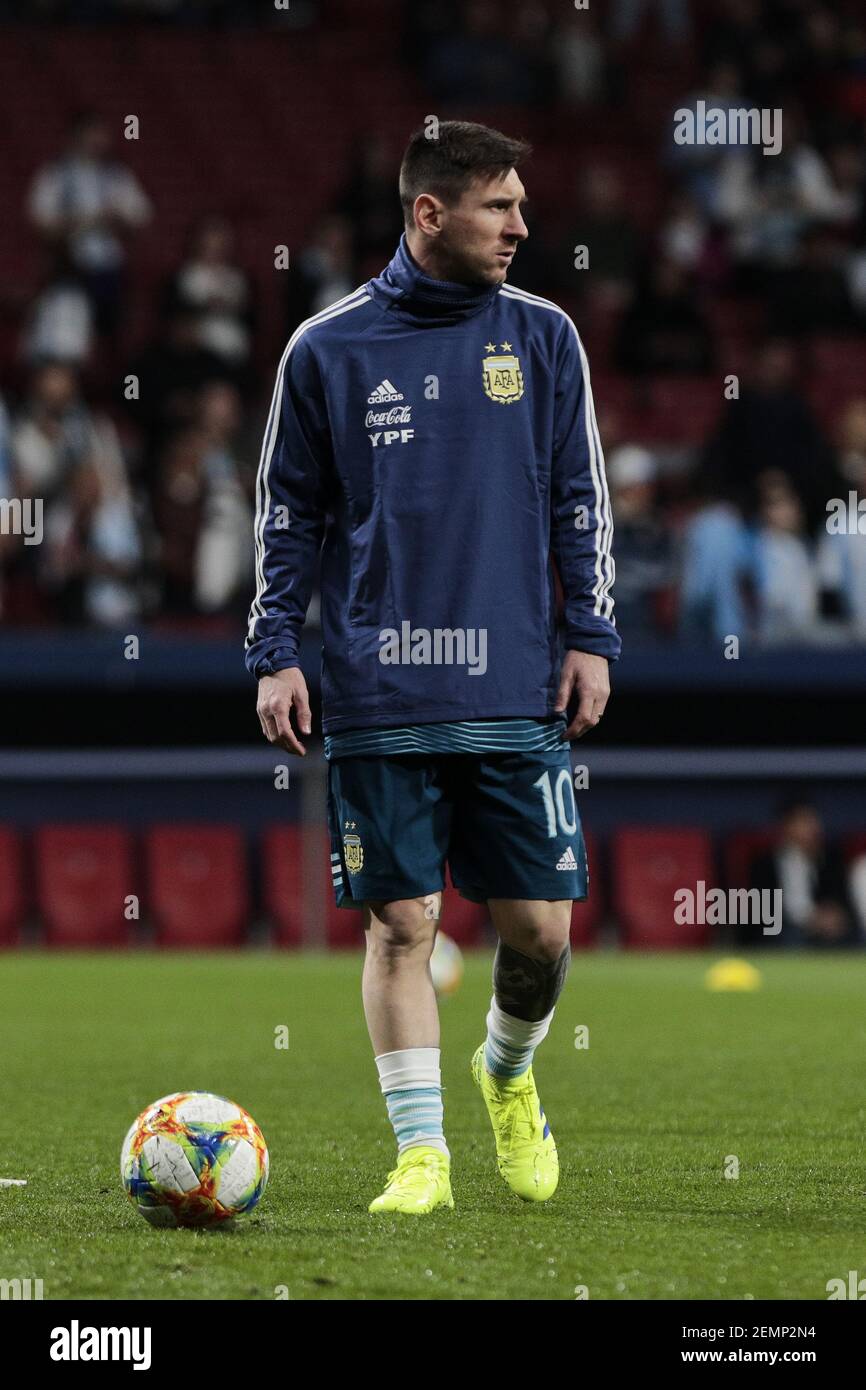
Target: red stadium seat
[282,882]
[12,900]
[84,874]
[197,885]
[304,910]
[585,917]
[648,866]
[344,927]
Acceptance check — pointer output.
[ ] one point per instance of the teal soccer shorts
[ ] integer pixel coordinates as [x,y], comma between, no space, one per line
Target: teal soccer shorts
[505,823]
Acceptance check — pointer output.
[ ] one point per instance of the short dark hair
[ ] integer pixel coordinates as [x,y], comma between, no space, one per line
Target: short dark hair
[461,153]
[793,803]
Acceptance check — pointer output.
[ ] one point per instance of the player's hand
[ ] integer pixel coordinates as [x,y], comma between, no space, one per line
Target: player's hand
[278,694]
[585,675]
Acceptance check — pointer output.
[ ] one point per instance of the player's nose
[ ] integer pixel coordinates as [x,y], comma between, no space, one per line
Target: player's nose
[516,227]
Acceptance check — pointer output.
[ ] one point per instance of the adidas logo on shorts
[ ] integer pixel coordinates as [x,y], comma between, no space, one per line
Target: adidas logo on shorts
[567,860]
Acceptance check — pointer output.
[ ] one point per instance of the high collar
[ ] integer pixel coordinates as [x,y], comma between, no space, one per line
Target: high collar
[419,298]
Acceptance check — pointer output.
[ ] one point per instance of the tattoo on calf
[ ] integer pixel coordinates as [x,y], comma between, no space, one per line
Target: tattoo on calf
[527,988]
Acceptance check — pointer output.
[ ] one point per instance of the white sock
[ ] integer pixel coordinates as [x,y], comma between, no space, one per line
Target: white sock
[511,1041]
[411,1083]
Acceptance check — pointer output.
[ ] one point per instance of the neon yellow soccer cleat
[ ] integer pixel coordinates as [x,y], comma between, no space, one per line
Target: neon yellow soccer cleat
[420,1182]
[525,1152]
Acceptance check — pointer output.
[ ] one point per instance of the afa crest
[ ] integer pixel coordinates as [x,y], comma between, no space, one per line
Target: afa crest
[502,378]
[353,853]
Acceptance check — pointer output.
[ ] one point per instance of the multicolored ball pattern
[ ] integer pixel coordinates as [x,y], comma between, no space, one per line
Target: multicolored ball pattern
[194,1159]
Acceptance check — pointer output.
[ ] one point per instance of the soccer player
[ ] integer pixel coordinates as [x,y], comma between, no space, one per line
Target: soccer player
[433,436]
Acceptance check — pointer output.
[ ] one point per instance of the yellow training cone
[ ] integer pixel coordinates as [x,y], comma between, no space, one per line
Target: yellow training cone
[732,973]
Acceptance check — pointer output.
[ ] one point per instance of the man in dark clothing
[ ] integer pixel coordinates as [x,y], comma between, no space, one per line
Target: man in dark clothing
[811,874]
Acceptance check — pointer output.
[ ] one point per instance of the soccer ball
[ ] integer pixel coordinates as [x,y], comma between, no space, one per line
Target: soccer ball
[193,1159]
[446,964]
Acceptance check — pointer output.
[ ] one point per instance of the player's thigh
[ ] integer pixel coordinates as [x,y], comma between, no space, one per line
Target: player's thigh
[389,821]
[516,833]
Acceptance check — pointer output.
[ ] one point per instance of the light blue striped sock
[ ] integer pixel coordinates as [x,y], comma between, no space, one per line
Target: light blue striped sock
[412,1087]
[511,1042]
[416,1117]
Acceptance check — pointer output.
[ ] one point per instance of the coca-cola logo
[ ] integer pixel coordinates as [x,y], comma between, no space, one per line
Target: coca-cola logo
[397,415]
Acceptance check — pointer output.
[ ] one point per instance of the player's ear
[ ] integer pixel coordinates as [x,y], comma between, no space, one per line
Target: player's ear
[428,212]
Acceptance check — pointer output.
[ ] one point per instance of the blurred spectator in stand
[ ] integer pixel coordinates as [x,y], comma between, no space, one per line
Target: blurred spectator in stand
[810,872]
[857,890]
[786,579]
[846,159]
[733,30]
[368,204]
[605,227]
[689,240]
[855,276]
[9,544]
[51,434]
[770,71]
[5,453]
[70,460]
[716,571]
[812,295]
[842,543]
[672,14]
[231,451]
[204,526]
[643,561]
[768,202]
[59,326]
[820,65]
[170,373]
[855,264]
[579,59]
[770,427]
[92,549]
[478,63]
[697,165]
[850,91]
[664,328]
[768,43]
[178,510]
[852,443]
[212,286]
[322,272]
[530,32]
[87,204]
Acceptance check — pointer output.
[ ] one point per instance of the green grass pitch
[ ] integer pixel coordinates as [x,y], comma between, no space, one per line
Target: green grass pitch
[674,1080]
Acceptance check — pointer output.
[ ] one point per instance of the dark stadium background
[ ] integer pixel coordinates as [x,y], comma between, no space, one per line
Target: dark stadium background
[287,126]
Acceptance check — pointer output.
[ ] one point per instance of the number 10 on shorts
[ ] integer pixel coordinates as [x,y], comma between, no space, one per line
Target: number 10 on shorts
[555,803]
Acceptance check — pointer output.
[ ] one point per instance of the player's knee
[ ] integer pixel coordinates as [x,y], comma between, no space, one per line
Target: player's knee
[545,946]
[540,929]
[399,928]
[554,931]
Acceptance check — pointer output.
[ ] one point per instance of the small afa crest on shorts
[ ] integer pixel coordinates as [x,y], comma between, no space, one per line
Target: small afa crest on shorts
[502,377]
[353,853]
